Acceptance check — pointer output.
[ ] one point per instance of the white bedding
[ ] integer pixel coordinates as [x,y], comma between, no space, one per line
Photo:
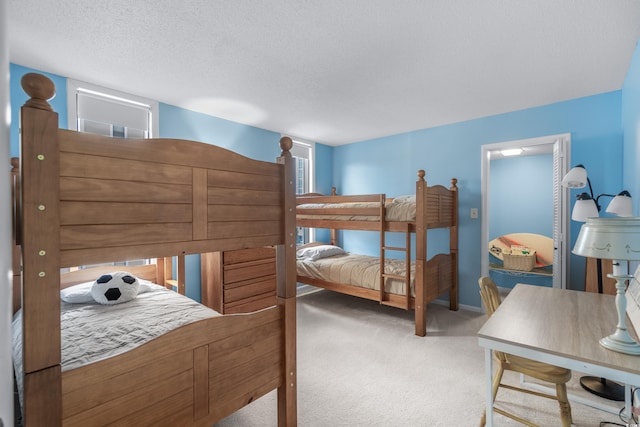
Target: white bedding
[357,270]
[404,210]
[93,332]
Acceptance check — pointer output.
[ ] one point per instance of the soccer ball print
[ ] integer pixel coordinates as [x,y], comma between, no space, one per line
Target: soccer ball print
[115,288]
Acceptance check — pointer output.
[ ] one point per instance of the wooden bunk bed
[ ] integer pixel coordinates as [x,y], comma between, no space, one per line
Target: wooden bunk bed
[84,199]
[433,207]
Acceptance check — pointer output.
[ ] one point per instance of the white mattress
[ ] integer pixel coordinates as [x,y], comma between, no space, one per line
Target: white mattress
[357,270]
[93,332]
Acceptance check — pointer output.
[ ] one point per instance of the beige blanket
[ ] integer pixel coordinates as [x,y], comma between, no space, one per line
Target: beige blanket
[357,270]
[395,211]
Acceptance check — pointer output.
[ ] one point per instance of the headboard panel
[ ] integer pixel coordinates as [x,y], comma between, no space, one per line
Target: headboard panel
[162,196]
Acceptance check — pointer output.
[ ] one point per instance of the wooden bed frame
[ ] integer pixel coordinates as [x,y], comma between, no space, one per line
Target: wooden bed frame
[86,199]
[436,207]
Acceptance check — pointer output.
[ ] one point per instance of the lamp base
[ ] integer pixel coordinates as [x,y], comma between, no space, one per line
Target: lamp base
[620,340]
[621,343]
[604,388]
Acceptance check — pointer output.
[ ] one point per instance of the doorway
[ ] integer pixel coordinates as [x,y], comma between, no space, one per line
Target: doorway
[522,194]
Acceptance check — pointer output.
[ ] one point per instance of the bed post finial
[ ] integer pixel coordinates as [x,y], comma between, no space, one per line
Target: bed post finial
[454,183]
[286,143]
[421,174]
[40,89]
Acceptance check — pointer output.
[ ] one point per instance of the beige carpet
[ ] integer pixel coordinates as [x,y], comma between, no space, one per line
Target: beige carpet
[359,364]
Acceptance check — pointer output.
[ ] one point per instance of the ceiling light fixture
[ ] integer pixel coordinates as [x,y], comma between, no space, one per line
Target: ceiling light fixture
[511,152]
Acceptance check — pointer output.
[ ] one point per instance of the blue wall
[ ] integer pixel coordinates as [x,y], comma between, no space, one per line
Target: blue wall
[389,165]
[521,197]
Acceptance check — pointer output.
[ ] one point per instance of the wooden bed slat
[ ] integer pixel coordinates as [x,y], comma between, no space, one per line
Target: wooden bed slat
[235,180]
[86,166]
[231,229]
[79,213]
[247,212]
[96,236]
[79,396]
[127,405]
[90,189]
[71,258]
[248,197]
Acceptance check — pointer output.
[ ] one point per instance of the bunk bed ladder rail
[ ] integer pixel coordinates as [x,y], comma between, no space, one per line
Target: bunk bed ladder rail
[383,273]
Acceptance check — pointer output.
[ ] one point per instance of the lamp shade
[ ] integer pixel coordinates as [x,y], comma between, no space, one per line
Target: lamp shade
[621,205]
[575,178]
[584,208]
[609,238]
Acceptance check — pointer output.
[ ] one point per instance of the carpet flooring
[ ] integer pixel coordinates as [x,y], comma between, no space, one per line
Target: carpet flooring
[360,364]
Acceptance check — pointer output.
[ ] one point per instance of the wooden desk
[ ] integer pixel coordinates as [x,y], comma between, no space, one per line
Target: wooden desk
[562,328]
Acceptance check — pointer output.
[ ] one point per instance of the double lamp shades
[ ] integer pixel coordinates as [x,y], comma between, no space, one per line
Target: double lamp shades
[587,206]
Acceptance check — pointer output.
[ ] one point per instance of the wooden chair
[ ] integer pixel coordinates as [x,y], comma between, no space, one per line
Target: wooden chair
[541,371]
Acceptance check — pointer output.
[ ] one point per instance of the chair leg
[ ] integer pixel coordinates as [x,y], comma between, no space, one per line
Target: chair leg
[494,391]
[565,406]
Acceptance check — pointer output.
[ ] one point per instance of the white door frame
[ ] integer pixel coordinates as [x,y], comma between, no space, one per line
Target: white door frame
[561,146]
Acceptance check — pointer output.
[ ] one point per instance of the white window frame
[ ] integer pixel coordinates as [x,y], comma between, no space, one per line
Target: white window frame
[307,150]
[75,86]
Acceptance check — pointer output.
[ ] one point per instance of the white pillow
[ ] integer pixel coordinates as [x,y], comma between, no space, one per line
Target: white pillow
[81,293]
[77,294]
[316,252]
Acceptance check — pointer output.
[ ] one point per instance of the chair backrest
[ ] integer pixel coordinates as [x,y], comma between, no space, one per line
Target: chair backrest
[491,300]
[490,295]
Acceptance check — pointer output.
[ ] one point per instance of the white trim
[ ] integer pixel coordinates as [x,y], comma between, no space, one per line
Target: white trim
[312,152]
[561,157]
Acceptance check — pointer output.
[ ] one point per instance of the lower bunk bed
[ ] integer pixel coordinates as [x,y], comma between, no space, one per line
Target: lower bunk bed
[330,267]
[84,199]
[158,358]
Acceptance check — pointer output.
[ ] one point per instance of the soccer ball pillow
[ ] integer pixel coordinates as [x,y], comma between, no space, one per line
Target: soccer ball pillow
[115,288]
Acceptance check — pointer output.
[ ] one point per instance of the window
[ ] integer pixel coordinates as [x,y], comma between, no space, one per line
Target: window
[302,153]
[107,112]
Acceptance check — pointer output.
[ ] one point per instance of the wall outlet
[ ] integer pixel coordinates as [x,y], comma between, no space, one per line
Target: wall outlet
[474,213]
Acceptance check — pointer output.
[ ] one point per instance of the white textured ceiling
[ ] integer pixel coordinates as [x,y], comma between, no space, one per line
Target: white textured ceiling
[334,71]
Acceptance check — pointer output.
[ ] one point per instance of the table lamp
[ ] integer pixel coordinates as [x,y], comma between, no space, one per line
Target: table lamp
[617,239]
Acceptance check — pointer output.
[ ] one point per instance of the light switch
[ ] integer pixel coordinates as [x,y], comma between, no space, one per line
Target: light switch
[474,213]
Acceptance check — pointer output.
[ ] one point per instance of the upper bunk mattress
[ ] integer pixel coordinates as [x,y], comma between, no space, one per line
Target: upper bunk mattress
[399,209]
